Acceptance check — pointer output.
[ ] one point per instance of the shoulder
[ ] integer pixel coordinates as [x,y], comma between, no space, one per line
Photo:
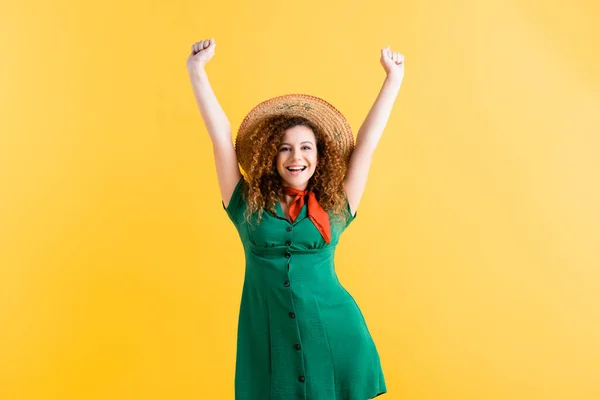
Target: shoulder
[237,204]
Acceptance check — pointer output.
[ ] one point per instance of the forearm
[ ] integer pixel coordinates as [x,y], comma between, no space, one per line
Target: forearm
[372,128]
[214,117]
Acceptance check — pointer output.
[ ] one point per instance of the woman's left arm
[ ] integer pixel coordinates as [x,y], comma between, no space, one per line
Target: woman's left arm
[371,130]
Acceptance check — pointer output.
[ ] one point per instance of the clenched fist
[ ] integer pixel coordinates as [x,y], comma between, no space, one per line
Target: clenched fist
[202,52]
[393,63]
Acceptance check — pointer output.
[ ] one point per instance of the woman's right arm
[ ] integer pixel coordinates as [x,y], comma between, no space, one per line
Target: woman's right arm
[215,120]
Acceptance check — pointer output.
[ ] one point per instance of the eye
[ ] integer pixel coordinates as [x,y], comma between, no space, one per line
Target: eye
[307,147]
[284,148]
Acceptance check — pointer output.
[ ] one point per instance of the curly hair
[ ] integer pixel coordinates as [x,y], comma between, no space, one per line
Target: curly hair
[265,187]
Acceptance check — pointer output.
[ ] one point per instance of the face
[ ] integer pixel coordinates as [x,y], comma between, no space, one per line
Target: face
[298,148]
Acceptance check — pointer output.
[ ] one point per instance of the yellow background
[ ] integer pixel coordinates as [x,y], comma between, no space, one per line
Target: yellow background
[475,254]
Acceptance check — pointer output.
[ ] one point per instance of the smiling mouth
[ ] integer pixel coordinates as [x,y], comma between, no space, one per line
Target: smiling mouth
[297,169]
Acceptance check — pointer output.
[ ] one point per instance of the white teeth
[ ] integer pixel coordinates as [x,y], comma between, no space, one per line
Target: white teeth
[297,169]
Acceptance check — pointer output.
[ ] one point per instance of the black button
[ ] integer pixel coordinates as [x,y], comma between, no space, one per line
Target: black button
[297,346]
[301,378]
[286,283]
[292,315]
[289,229]
[288,254]
[288,243]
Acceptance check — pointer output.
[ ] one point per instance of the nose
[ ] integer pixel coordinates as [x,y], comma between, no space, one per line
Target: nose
[296,155]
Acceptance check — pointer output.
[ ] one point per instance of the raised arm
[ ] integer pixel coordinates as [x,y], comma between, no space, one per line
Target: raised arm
[215,120]
[372,128]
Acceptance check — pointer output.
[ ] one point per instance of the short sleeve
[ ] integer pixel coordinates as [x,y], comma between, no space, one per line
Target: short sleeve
[237,205]
[351,216]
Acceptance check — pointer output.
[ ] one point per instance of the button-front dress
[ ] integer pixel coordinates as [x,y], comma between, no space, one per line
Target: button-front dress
[301,335]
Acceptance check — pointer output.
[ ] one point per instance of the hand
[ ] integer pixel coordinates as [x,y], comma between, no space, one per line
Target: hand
[393,63]
[202,52]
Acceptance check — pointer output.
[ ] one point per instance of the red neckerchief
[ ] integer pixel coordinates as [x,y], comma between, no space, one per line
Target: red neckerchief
[317,215]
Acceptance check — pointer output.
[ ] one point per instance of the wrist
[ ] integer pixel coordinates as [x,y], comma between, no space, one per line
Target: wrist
[197,71]
[394,80]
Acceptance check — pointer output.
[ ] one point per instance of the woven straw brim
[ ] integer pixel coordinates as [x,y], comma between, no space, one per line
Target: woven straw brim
[327,118]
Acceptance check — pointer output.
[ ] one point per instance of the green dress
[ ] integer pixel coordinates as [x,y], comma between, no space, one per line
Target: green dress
[301,335]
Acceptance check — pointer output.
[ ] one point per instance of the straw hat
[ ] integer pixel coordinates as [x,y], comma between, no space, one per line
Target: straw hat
[322,114]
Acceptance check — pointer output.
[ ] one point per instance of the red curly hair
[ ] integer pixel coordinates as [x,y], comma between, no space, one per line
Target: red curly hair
[265,187]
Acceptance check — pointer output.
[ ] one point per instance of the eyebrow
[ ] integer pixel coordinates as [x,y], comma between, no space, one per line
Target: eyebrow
[281,144]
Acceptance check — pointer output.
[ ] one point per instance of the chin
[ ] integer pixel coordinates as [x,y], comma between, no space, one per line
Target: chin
[294,182]
[299,181]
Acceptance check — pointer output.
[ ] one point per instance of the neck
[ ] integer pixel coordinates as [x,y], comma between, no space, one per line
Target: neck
[288,199]
[303,187]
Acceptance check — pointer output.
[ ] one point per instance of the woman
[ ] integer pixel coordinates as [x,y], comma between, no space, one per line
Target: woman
[301,335]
